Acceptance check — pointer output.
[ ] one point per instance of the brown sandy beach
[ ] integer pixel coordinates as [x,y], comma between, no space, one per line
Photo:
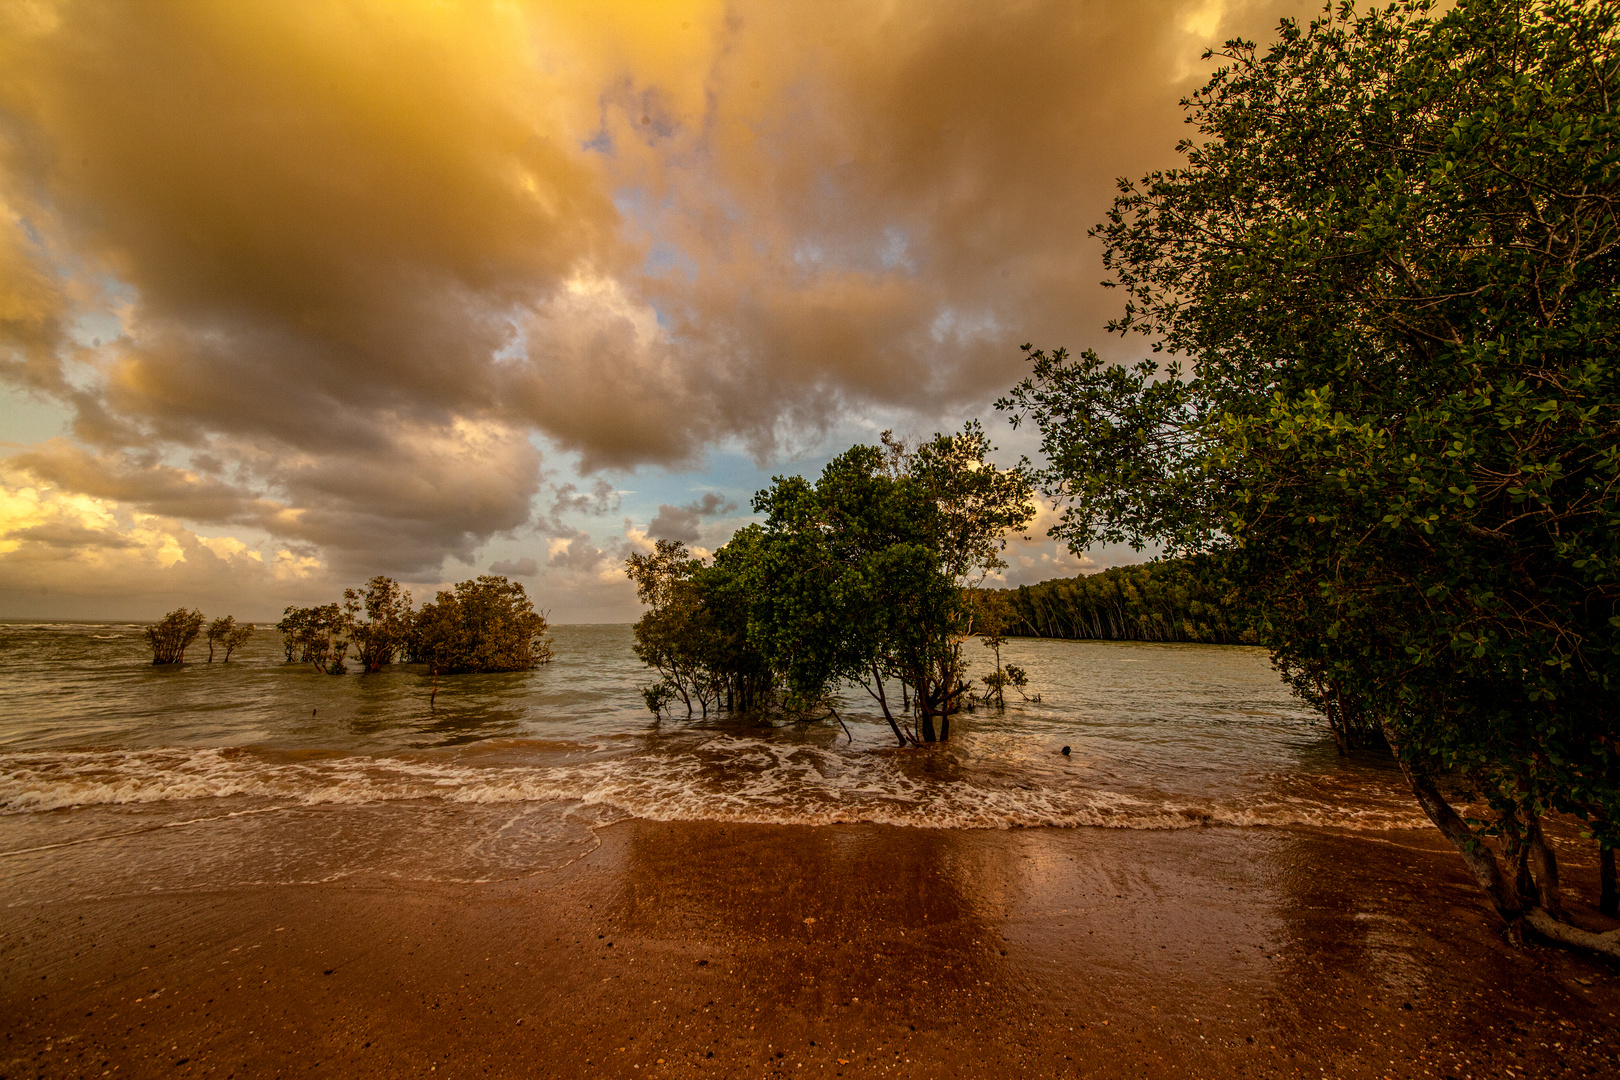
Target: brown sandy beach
[709,949]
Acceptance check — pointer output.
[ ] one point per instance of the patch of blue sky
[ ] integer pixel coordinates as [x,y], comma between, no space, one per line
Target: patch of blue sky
[26,419]
[182,457]
[516,348]
[664,258]
[29,230]
[733,476]
[642,218]
[255,538]
[889,252]
[732,472]
[631,203]
[895,253]
[95,328]
[808,255]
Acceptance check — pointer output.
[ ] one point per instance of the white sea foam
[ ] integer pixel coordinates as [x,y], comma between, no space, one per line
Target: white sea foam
[724,778]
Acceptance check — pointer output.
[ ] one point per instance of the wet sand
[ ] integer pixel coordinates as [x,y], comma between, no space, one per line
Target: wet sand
[718,950]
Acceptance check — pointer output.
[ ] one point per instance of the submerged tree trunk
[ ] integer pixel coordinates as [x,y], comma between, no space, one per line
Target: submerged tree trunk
[1001,681]
[883,702]
[922,702]
[925,725]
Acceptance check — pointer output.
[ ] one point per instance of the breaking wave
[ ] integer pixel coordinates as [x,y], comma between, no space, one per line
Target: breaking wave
[725,778]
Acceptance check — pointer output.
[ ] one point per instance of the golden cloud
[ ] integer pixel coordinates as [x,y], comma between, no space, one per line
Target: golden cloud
[358,254]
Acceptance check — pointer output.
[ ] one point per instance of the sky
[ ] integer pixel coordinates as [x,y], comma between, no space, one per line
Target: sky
[294,294]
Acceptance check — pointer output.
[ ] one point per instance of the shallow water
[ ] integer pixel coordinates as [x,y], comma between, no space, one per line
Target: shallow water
[118,776]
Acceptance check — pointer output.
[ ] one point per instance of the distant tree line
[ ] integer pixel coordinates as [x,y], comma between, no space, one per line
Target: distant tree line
[1164,600]
[484,625]
[858,578]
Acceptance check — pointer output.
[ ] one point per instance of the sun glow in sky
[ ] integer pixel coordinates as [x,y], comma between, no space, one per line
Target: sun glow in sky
[296,293]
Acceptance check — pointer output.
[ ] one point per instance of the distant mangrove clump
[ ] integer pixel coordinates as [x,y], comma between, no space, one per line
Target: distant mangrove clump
[859,578]
[226,633]
[484,625]
[1164,600]
[170,637]
[178,629]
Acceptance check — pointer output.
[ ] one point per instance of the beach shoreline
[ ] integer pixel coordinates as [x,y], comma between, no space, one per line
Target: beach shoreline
[717,949]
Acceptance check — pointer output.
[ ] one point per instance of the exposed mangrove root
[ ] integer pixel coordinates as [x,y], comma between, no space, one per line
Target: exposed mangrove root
[1532,899]
[1565,933]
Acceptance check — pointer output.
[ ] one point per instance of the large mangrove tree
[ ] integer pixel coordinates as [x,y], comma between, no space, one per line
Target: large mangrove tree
[1390,256]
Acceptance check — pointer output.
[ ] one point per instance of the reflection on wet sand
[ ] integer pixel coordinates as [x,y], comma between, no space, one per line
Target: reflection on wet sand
[728,949]
[1201,951]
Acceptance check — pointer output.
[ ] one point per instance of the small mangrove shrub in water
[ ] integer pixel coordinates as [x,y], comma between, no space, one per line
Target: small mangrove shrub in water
[170,637]
[484,625]
[226,634]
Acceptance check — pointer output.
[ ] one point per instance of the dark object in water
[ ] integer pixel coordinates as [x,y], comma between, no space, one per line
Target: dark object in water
[1065,751]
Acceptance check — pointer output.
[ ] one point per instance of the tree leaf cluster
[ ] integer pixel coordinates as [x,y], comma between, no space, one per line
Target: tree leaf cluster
[484,625]
[227,634]
[695,634]
[177,630]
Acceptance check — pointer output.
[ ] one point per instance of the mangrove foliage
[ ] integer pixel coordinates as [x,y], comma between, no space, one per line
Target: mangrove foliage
[862,577]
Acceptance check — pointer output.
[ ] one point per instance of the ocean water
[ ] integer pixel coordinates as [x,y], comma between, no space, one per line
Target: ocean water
[117,776]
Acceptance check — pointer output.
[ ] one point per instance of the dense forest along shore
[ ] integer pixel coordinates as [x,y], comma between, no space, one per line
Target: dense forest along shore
[1163,600]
